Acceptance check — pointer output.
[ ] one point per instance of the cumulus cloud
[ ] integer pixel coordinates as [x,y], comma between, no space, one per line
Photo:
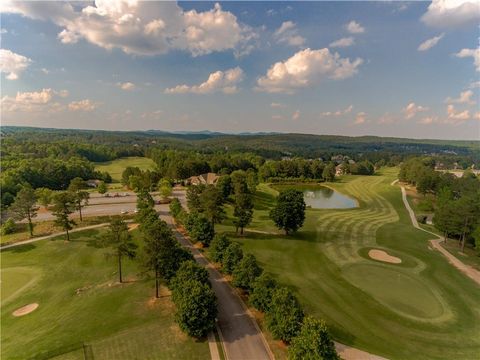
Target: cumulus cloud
[82,105]
[219,81]
[305,68]
[337,113]
[465,97]
[287,33]
[127,86]
[412,109]
[386,118]
[343,42]
[457,116]
[296,115]
[452,13]
[354,27]
[141,27]
[428,120]
[32,101]
[428,44]
[360,118]
[13,64]
[474,53]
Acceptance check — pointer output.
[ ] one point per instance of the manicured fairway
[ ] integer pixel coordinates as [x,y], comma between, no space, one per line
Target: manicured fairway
[422,308]
[115,168]
[82,308]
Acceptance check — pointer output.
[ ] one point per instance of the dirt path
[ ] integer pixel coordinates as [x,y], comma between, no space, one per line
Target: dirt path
[466,269]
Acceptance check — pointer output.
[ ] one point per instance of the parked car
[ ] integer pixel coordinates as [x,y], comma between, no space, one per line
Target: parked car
[123,212]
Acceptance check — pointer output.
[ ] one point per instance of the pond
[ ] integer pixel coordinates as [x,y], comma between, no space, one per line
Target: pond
[322,197]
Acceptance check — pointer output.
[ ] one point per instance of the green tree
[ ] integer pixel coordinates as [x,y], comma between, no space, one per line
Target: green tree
[193,198]
[202,230]
[329,172]
[44,196]
[187,271]
[212,204]
[165,188]
[63,206]
[262,291]
[80,196]
[8,227]
[232,256]
[219,245]
[118,237]
[313,342]
[289,212]
[102,188]
[196,307]
[24,206]
[224,185]
[285,316]
[242,211]
[476,238]
[175,208]
[246,272]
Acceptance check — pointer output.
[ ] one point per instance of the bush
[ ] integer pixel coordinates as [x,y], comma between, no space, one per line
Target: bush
[262,290]
[232,256]
[196,307]
[285,316]
[218,246]
[189,270]
[8,227]
[246,272]
[422,219]
[313,342]
[175,208]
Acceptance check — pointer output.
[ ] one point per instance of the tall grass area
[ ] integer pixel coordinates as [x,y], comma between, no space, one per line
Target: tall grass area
[116,167]
[82,307]
[422,308]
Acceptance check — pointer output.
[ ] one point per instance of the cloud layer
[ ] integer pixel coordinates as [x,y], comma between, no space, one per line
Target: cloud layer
[305,68]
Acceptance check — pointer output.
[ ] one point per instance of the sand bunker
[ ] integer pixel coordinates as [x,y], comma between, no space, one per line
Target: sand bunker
[132,227]
[381,255]
[24,310]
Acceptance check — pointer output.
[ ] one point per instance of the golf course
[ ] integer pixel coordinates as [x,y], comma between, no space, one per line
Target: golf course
[74,308]
[370,274]
[116,167]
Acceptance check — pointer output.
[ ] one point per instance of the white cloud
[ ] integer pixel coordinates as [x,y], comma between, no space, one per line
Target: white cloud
[360,118]
[277,105]
[354,27]
[287,33]
[412,109]
[452,13]
[127,86]
[296,115]
[474,85]
[141,27]
[33,101]
[82,105]
[13,64]
[428,44]
[219,81]
[457,117]
[337,113]
[3,31]
[386,118]
[428,120]
[305,68]
[343,42]
[474,53]
[465,97]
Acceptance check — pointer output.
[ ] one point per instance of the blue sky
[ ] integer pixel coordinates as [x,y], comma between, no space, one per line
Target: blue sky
[406,69]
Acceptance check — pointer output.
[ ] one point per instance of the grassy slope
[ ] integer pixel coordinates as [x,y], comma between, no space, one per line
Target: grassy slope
[116,167]
[118,321]
[429,310]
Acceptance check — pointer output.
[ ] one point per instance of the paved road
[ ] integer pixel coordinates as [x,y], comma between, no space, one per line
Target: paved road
[241,337]
[471,272]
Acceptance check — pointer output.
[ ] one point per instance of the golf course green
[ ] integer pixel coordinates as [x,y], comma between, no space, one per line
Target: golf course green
[82,309]
[116,167]
[420,308]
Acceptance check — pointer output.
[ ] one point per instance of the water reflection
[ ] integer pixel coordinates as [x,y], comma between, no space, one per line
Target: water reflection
[327,198]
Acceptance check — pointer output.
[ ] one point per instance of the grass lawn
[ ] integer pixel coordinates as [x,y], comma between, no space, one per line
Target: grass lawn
[82,304]
[115,168]
[422,308]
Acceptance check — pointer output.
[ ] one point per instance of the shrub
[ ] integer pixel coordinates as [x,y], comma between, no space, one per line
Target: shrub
[175,208]
[285,316]
[246,272]
[218,246]
[262,290]
[313,342]
[422,219]
[196,307]
[8,227]
[232,256]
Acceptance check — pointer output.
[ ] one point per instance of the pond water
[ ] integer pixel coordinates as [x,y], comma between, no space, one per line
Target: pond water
[326,198]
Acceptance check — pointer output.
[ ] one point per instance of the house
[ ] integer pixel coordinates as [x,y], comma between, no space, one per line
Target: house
[207,179]
[93,183]
[340,170]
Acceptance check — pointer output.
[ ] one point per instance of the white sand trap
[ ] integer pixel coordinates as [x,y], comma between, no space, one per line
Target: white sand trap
[24,310]
[381,255]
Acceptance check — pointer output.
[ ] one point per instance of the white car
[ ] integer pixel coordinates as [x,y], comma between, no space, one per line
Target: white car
[123,212]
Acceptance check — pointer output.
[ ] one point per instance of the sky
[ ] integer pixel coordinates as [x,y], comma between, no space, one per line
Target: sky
[402,69]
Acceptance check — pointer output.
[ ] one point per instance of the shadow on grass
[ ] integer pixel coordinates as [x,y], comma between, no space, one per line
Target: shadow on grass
[20,249]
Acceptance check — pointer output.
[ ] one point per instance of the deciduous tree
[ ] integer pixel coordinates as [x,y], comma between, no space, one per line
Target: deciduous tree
[63,206]
[24,206]
[289,212]
[246,271]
